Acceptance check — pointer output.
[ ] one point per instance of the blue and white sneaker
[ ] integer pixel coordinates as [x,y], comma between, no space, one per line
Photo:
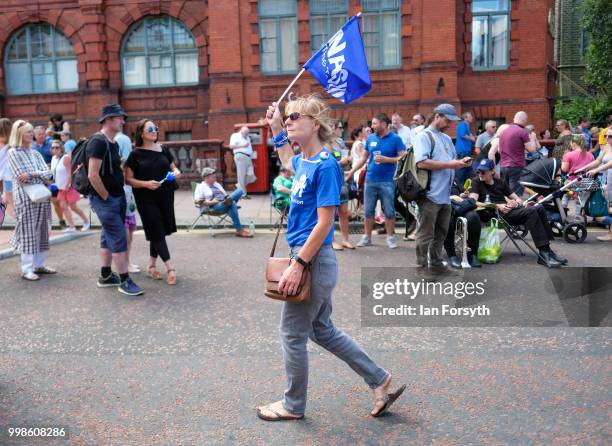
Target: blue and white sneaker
[130,288]
[112,280]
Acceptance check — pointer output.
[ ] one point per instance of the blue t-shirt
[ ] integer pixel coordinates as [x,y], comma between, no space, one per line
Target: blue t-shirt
[69,145]
[44,149]
[463,146]
[389,145]
[317,183]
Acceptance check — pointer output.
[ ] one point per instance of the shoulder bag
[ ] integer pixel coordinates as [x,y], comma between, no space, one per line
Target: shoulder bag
[37,193]
[274,271]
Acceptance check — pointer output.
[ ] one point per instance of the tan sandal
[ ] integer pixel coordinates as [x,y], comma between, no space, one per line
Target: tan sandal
[171,278]
[153,273]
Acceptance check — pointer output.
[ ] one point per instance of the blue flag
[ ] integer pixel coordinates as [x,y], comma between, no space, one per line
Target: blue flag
[341,66]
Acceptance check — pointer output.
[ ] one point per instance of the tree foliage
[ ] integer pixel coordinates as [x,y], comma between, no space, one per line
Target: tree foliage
[597,21]
[575,108]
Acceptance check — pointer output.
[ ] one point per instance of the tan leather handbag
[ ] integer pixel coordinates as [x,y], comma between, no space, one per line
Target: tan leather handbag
[274,270]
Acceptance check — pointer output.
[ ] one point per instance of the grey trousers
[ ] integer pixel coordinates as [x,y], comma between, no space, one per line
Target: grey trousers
[312,320]
[244,164]
[431,233]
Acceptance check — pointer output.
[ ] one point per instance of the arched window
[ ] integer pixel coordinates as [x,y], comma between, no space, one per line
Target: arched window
[159,51]
[40,59]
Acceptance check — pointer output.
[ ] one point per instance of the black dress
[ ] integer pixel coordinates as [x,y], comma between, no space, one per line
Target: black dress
[156,207]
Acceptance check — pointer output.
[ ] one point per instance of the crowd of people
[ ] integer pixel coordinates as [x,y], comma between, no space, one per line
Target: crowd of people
[458,174]
[489,164]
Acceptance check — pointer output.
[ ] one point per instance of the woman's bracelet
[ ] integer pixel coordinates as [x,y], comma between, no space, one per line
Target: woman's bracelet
[280,140]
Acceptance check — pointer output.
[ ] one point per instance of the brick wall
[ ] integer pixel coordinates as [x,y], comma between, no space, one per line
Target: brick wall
[435,45]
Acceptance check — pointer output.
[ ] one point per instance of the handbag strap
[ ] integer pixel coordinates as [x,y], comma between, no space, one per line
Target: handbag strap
[280,225]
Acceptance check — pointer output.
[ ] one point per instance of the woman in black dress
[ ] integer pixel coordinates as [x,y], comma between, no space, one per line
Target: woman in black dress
[146,166]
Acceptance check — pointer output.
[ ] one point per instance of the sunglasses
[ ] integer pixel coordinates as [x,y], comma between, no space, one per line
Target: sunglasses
[608,136]
[152,129]
[55,147]
[295,116]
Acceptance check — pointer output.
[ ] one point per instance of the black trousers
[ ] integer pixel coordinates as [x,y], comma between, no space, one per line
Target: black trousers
[473,225]
[534,218]
[511,176]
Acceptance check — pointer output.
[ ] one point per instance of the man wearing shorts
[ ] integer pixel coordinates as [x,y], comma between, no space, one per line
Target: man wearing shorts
[108,200]
[383,149]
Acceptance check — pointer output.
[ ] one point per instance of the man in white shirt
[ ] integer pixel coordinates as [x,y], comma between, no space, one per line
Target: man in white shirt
[402,130]
[240,143]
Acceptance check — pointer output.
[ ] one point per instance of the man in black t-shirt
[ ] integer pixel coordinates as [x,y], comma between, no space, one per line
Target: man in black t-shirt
[510,207]
[108,200]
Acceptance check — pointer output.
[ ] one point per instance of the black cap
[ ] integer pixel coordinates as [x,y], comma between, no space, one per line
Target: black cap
[110,111]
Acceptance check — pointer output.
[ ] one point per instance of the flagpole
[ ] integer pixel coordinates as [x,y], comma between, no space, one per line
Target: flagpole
[297,77]
[290,85]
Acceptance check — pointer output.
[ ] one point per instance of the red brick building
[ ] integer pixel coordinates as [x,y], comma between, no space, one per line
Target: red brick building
[197,67]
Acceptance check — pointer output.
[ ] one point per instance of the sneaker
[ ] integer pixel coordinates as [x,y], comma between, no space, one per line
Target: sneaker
[62,224]
[86,227]
[69,229]
[133,269]
[365,241]
[392,242]
[130,288]
[112,280]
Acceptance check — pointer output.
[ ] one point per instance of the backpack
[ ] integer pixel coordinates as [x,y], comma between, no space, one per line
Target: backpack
[410,181]
[79,165]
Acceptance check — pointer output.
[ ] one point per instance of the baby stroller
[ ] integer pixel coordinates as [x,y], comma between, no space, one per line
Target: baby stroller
[540,176]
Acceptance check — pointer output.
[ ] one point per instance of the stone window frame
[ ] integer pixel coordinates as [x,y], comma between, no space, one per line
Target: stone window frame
[508,13]
[173,52]
[53,60]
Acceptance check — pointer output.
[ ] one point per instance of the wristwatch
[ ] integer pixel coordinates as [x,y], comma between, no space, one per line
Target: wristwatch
[302,262]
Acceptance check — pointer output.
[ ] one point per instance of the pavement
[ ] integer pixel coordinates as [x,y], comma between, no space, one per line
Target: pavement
[188,364]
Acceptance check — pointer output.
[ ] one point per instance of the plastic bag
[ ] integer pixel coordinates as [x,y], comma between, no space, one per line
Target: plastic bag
[489,246]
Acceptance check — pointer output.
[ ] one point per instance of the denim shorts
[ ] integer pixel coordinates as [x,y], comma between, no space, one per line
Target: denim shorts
[344,193]
[111,214]
[383,191]
[8,186]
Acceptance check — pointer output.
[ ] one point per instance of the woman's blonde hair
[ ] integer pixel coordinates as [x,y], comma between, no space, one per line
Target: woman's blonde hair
[19,128]
[312,105]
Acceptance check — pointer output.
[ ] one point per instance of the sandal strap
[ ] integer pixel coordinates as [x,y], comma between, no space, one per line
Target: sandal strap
[383,399]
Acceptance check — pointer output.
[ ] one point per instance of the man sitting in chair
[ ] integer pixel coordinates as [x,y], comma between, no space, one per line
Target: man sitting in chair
[511,209]
[211,194]
[282,189]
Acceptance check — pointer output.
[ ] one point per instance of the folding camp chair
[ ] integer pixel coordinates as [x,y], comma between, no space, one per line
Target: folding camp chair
[214,219]
[514,233]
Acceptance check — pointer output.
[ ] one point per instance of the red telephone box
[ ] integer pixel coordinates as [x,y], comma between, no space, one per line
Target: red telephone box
[259,141]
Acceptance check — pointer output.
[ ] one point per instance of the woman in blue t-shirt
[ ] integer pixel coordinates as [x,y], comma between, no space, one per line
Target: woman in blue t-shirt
[315,195]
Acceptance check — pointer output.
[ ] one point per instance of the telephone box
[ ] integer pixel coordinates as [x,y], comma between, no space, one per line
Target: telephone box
[259,141]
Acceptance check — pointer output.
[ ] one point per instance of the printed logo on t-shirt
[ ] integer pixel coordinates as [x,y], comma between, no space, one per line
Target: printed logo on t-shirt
[298,187]
[373,144]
